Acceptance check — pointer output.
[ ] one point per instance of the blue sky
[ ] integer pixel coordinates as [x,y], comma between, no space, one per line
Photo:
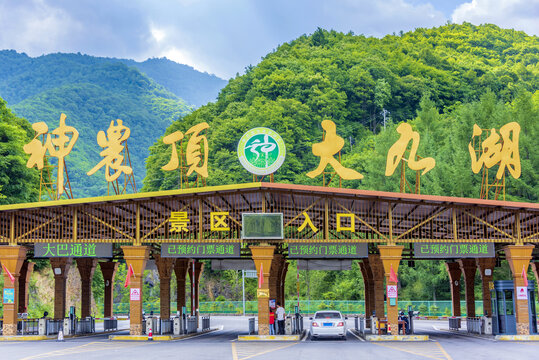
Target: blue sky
[225,36]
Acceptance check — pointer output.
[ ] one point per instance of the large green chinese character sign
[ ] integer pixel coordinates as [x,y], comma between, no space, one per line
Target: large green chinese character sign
[261,151]
[327,250]
[452,250]
[201,250]
[75,250]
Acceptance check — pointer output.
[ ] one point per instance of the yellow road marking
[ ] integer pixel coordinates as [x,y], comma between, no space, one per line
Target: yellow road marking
[248,350]
[443,351]
[234,352]
[420,349]
[89,347]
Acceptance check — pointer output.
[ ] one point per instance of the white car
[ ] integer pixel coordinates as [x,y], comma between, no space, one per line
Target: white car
[328,323]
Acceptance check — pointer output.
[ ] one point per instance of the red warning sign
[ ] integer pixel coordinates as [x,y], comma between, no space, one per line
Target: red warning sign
[134,295]
[392,292]
[522,293]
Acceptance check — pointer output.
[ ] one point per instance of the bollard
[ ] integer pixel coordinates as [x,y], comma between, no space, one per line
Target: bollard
[60,335]
[150,334]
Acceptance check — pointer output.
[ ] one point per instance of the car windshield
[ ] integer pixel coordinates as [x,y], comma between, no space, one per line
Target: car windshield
[327,315]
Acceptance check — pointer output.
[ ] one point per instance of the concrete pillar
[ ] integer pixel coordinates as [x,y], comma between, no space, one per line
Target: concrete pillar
[86,267]
[136,256]
[198,267]
[535,268]
[368,283]
[486,270]
[377,269]
[518,257]
[165,267]
[108,269]
[24,280]
[391,256]
[275,277]
[454,271]
[60,269]
[12,257]
[180,269]
[263,258]
[282,282]
[468,268]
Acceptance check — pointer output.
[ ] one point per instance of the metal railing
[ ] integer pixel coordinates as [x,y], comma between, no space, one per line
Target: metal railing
[110,324]
[251,326]
[191,325]
[28,326]
[52,327]
[166,326]
[474,325]
[85,326]
[454,323]
[205,323]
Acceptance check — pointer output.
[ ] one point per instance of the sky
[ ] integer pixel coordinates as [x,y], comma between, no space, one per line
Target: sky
[223,37]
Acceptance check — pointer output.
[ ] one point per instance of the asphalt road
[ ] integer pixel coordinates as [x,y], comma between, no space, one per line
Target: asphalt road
[222,344]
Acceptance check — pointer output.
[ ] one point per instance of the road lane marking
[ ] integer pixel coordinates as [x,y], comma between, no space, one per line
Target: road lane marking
[443,351]
[248,350]
[358,337]
[85,348]
[424,349]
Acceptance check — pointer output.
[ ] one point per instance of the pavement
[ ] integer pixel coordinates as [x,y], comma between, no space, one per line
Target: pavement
[223,344]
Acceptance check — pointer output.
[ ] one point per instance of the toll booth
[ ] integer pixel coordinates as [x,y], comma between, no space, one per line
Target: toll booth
[503,307]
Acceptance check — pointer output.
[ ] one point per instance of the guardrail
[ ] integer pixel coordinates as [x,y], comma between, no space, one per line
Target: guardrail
[110,324]
[205,323]
[52,327]
[28,326]
[474,325]
[454,323]
[166,326]
[251,326]
[191,325]
[85,326]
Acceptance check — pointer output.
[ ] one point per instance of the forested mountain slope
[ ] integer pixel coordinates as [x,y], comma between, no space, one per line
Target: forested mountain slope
[91,92]
[442,80]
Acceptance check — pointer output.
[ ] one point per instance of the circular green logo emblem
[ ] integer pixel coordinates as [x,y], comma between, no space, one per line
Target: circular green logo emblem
[261,151]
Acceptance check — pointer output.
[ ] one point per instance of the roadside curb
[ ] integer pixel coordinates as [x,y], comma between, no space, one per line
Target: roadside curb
[157,337]
[397,338]
[26,338]
[517,337]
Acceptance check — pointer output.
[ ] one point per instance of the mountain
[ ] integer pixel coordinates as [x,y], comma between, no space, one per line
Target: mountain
[92,92]
[441,80]
[195,87]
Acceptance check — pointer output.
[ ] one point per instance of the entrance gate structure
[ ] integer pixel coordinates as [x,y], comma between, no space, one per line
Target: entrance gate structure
[141,225]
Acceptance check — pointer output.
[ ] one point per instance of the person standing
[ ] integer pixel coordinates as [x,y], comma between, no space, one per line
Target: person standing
[272,322]
[280,318]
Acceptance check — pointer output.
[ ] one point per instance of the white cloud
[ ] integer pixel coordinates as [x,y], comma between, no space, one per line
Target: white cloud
[514,14]
[34,27]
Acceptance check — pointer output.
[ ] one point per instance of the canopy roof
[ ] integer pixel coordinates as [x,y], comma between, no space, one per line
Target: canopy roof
[336,214]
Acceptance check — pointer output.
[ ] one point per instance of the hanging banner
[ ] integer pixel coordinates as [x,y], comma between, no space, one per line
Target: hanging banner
[451,250]
[327,250]
[201,250]
[76,250]
[9,296]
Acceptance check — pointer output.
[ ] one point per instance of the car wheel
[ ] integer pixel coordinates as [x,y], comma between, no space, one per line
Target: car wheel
[313,338]
[343,337]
